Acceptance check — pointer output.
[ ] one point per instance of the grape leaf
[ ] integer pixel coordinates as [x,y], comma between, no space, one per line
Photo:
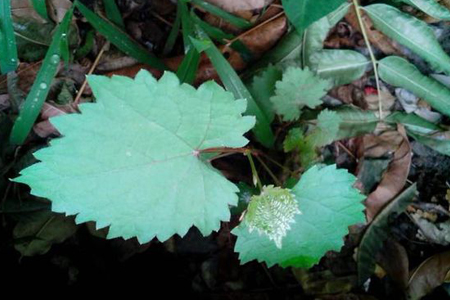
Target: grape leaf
[298,88]
[327,129]
[272,212]
[329,204]
[133,160]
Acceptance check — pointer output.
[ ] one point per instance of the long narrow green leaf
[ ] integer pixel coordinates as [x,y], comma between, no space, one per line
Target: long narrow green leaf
[230,18]
[410,32]
[41,86]
[214,33]
[439,141]
[355,122]
[234,84]
[120,39]
[341,66]
[113,13]
[189,66]
[40,6]
[399,72]
[170,42]
[8,47]
[430,7]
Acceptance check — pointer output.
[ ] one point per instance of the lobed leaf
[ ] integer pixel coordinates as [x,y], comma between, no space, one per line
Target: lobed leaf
[298,88]
[133,161]
[329,204]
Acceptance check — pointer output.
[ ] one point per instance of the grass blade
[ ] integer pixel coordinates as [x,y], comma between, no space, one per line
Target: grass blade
[188,67]
[41,86]
[230,18]
[168,47]
[40,6]
[120,39]
[234,84]
[113,13]
[8,47]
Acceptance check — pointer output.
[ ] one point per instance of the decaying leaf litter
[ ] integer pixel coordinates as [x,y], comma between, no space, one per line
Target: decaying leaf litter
[317,102]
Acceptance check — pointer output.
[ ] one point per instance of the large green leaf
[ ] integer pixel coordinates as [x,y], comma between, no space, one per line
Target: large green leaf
[340,66]
[399,72]
[410,32]
[303,13]
[328,205]
[133,160]
[430,7]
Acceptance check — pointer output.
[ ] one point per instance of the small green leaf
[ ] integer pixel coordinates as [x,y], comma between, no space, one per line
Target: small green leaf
[120,39]
[340,66]
[305,12]
[298,88]
[399,72]
[133,160]
[430,7]
[41,86]
[8,47]
[263,87]
[326,130]
[329,204]
[293,140]
[410,32]
[271,213]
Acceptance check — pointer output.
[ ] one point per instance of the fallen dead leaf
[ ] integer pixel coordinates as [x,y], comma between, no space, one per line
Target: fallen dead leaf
[429,275]
[44,128]
[394,179]
[394,260]
[238,5]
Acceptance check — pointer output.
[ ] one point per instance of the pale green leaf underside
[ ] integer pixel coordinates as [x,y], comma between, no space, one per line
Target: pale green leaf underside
[399,72]
[410,32]
[130,161]
[329,204]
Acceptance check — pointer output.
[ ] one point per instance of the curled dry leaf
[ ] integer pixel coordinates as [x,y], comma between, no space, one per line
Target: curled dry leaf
[394,260]
[429,275]
[394,178]
[45,128]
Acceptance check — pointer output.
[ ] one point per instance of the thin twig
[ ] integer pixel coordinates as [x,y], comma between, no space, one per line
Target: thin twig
[254,171]
[228,44]
[91,70]
[274,178]
[372,56]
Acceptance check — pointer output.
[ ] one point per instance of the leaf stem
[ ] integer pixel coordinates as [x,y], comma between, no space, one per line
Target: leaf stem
[256,179]
[372,56]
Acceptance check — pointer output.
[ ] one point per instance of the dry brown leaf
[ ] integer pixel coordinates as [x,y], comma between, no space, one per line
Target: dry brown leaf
[394,260]
[44,128]
[429,275]
[376,38]
[238,5]
[258,41]
[394,179]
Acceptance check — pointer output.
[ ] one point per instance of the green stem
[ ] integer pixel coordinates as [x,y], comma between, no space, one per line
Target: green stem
[256,179]
[372,56]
